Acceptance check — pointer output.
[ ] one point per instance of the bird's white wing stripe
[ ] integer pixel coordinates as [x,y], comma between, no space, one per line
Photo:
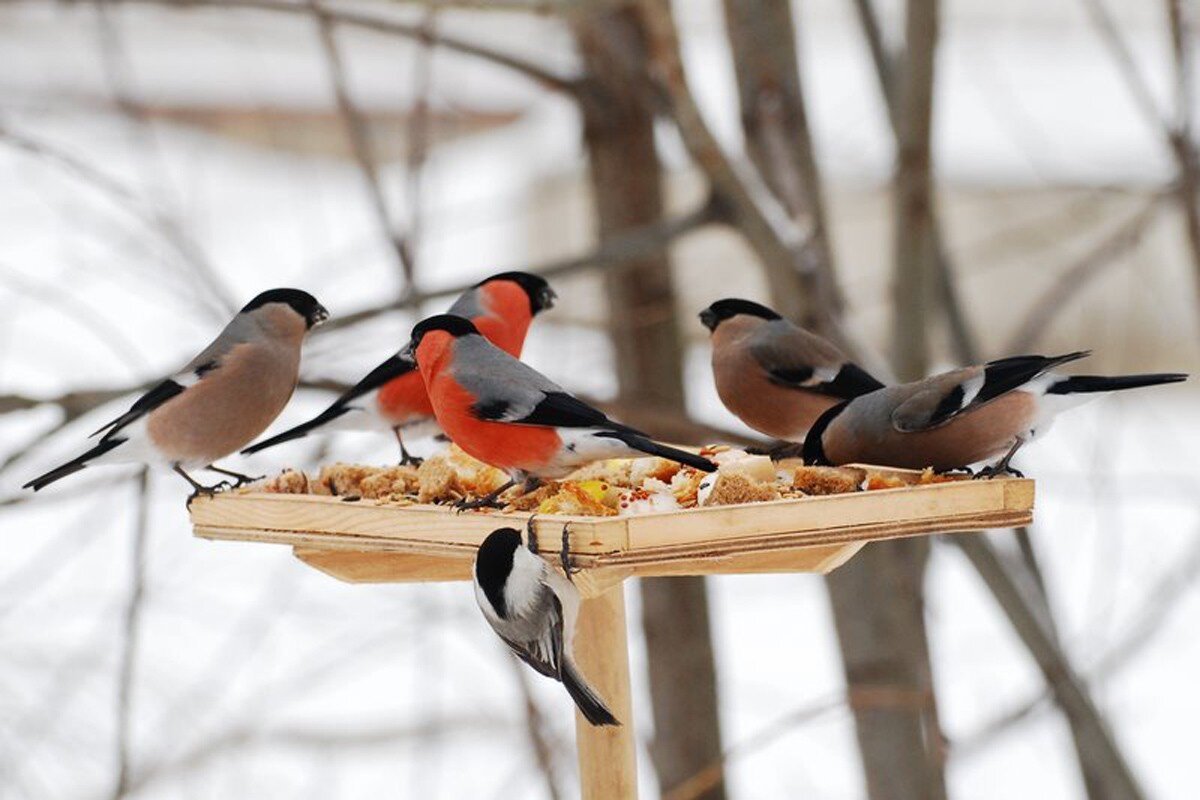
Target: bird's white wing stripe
[971,389]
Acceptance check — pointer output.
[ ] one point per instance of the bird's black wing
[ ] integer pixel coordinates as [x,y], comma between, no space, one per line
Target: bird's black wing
[389,370]
[555,409]
[144,405]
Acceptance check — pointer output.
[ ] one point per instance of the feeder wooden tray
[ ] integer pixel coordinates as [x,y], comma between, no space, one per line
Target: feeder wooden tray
[370,542]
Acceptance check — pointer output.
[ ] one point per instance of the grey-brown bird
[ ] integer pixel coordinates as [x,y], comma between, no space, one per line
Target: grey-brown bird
[774,375]
[959,418]
[219,402]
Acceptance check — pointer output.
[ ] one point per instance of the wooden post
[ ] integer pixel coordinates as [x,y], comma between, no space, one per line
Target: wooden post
[607,755]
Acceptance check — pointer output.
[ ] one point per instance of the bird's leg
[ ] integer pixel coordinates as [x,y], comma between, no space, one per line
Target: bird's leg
[488,500]
[1001,467]
[239,478]
[565,554]
[406,458]
[530,537]
[199,489]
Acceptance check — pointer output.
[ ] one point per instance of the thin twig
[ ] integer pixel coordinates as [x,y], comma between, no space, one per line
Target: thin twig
[130,637]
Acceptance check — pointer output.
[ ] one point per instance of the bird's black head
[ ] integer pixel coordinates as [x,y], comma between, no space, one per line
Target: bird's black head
[722,310]
[541,296]
[493,564]
[300,301]
[454,325]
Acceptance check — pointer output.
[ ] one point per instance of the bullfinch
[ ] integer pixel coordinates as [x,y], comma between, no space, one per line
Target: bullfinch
[221,400]
[392,396]
[533,609]
[773,375]
[507,414]
[962,417]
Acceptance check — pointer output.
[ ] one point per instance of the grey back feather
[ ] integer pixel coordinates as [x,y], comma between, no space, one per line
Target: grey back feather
[467,305]
[494,377]
[780,345]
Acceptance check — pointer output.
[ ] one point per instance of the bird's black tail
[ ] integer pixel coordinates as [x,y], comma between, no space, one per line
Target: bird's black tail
[73,466]
[301,430]
[640,442]
[586,699]
[1077,384]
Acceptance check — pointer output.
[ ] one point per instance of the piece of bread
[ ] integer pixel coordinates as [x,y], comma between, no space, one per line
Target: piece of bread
[828,480]
[736,487]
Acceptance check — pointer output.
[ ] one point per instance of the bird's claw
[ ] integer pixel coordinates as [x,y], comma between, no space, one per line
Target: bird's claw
[565,554]
[209,491]
[411,461]
[998,471]
[244,480]
[530,537]
[479,502]
[959,471]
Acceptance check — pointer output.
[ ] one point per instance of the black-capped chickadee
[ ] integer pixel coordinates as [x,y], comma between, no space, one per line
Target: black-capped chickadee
[533,609]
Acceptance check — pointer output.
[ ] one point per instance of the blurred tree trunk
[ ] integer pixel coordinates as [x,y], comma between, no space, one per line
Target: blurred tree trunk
[627,188]
[877,598]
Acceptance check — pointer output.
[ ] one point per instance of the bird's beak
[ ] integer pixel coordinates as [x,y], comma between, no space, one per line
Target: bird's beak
[708,319]
[547,297]
[319,315]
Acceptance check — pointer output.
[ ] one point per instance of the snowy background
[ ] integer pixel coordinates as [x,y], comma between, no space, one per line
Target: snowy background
[257,677]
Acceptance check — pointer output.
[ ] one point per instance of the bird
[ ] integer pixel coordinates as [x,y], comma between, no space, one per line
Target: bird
[773,375]
[222,399]
[533,609]
[507,414]
[962,417]
[392,396]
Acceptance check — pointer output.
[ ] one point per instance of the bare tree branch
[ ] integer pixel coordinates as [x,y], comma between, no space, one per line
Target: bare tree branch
[156,222]
[1105,253]
[778,141]
[632,244]
[130,637]
[354,19]
[535,726]
[703,781]
[1105,771]
[886,68]
[1147,622]
[360,145]
[780,244]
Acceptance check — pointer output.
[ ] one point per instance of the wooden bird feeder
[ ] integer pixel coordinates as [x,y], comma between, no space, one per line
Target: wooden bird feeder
[377,542]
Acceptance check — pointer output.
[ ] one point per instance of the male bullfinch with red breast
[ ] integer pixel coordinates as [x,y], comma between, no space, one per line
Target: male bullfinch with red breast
[959,418]
[533,608]
[221,400]
[507,414]
[392,396]
[773,375]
